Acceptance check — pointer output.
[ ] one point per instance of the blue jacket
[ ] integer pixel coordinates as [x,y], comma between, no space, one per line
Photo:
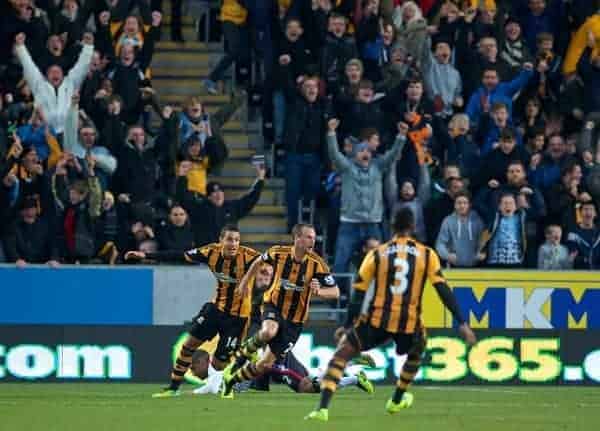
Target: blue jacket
[493,136]
[547,173]
[35,138]
[503,93]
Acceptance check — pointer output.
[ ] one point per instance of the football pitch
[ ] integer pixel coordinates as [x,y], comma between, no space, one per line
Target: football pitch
[124,407]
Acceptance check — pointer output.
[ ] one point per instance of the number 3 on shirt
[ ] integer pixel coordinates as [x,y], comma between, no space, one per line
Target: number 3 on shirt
[400,284]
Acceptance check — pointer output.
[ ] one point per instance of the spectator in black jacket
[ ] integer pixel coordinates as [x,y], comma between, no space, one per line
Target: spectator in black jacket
[176,232]
[305,151]
[292,60]
[338,49]
[136,176]
[583,239]
[588,69]
[209,214]
[494,165]
[128,74]
[32,239]
[363,112]
[80,203]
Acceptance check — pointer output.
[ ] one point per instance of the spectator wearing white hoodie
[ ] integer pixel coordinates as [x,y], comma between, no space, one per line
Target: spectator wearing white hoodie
[458,240]
[54,91]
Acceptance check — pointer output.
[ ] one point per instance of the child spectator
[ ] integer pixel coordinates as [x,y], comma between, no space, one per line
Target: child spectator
[552,254]
[504,241]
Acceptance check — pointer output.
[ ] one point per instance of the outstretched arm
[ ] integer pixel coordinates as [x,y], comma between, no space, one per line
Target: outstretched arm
[32,74]
[195,255]
[78,73]
[340,161]
[393,153]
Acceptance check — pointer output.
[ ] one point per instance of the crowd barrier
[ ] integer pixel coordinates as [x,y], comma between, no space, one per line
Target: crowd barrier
[167,295]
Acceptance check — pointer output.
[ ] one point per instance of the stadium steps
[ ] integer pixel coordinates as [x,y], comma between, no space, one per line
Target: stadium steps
[177,73]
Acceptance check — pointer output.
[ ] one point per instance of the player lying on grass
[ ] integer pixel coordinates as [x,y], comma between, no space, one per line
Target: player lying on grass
[227,315]
[299,273]
[290,371]
[389,287]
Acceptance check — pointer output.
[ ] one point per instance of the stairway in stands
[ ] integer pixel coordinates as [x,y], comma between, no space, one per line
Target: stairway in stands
[177,72]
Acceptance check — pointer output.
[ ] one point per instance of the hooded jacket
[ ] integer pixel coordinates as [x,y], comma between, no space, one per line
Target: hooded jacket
[105,161]
[460,236]
[362,188]
[489,233]
[586,243]
[441,80]
[55,102]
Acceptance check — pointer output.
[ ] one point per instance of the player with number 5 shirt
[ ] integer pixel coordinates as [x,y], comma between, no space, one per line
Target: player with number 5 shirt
[386,305]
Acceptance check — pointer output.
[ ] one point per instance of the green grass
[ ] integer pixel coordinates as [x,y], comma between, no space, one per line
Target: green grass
[123,407]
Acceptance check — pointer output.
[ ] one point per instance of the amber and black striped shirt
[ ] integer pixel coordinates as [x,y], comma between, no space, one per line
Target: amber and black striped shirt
[393,277]
[290,290]
[228,272]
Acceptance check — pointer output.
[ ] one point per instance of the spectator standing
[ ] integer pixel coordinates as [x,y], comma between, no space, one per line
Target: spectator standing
[505,239]
[460,234]
[362,205]
[235,29]
[209,214]
[584,240]
[303,143]
[54,91]
[552,254]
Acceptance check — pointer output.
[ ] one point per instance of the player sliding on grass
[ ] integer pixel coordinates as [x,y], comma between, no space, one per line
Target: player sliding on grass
[299,273]
[290,372]
[398,270]
[227,315]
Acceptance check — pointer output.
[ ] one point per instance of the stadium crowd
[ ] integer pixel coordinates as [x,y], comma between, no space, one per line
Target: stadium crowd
[501,99]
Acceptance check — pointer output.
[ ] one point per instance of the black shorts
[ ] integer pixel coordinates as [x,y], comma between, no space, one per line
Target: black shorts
[212,321]
[365,337]
[286,336]
[262,383]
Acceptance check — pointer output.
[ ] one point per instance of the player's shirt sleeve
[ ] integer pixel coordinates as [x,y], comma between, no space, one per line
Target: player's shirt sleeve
[198,255]
[323,274]
[434,269]
[366,273]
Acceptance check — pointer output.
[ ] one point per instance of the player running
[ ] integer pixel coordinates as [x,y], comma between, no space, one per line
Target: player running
[398,270]
[299,273]
[227,315]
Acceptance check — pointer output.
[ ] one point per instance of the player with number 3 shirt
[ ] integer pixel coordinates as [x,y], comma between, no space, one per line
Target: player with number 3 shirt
[386,305]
